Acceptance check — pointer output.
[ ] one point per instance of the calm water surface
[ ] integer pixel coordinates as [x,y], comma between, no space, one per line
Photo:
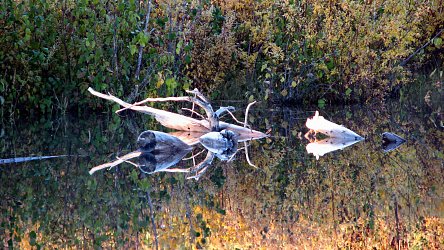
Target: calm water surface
[357,197]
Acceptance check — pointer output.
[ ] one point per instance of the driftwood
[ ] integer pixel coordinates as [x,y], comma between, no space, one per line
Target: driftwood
[339,137]
[159,151]
[319,124]
[185,123]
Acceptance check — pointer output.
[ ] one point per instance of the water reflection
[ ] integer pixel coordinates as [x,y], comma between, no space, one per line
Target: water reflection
[351,199]
[320,148]
[339,137]
[158,151]
[391,141]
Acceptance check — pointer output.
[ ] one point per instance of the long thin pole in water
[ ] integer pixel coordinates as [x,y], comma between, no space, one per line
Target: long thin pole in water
[25,159]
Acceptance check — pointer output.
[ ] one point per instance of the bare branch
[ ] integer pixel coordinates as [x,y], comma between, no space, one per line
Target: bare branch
[234,118]
[145,28]
[194,155]
[202,167]
[197,93]
[194,112]
[403,63]
[176,170]
[246,113]
[127,161]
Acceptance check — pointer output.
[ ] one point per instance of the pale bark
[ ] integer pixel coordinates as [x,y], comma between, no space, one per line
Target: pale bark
[185,123]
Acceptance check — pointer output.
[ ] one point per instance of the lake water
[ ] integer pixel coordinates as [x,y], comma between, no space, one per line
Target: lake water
[358,197]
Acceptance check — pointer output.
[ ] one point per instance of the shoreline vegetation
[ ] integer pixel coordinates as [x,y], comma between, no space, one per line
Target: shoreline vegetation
[288,51]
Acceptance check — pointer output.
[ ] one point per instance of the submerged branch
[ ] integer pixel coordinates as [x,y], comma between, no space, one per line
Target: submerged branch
[234,118]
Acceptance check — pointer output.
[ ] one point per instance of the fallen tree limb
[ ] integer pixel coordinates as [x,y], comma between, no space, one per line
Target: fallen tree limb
[203,103]
[185,123]
[166,118]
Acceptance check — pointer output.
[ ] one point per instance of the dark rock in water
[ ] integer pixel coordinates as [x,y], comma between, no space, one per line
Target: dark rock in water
[391,141]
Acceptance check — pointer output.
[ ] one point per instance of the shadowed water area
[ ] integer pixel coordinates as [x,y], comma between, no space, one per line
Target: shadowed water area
[359,197]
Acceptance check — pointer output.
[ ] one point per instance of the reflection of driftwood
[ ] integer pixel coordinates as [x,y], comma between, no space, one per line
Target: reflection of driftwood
[160,151]
[121,159]
[223,144]
[157,152]
[322,147]
[391,141]
[202,167]
[320,124]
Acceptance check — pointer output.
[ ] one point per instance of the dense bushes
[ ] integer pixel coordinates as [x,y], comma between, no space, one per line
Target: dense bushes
[308,50]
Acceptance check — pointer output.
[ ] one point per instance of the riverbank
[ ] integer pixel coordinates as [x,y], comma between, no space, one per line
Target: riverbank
[291,52]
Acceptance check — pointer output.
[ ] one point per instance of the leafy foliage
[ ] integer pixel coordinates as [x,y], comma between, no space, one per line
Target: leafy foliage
[288,50]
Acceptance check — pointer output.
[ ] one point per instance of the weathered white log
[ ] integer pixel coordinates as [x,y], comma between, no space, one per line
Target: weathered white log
[201,102]
[190,138]
[181,122]
[320,124]
[166,118]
